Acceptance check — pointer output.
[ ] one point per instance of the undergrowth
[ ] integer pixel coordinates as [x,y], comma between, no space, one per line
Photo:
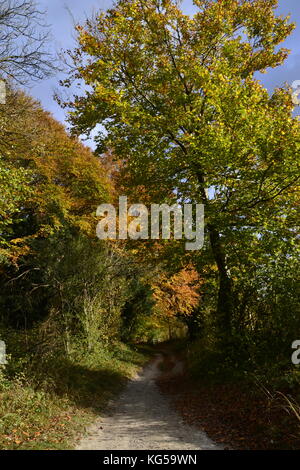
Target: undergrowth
[47,404]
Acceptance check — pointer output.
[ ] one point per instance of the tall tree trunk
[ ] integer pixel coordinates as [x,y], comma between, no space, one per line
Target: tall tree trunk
[225,299]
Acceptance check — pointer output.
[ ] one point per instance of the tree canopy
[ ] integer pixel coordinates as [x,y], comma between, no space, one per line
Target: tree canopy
[183,109]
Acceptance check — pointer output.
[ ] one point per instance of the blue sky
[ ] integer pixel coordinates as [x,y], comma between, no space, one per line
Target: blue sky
[61,15]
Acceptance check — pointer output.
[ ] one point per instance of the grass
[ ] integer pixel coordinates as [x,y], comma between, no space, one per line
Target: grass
[50,411]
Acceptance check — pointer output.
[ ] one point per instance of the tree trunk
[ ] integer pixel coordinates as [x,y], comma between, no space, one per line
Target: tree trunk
[225,300]
[195,325]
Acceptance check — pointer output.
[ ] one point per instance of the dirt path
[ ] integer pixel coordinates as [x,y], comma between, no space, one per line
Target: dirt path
[143,419]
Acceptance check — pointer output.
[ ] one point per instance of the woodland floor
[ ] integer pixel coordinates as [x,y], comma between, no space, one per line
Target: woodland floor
[234,415]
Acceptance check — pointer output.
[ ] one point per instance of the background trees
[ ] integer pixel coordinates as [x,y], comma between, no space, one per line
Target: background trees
[62,181]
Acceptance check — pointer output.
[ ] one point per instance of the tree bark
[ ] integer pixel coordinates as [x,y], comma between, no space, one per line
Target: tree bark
[225,295]
[225,299]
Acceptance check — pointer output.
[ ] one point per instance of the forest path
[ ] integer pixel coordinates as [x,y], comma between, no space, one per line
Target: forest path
[142,418]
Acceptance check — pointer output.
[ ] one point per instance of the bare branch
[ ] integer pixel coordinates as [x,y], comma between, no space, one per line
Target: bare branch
[23,39]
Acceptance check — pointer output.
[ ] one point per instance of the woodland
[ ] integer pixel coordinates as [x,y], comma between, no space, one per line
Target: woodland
[180,118]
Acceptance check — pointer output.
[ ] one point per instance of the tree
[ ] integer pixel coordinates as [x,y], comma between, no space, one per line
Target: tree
[178,294]
[182,107]
[48,180]
[23,39]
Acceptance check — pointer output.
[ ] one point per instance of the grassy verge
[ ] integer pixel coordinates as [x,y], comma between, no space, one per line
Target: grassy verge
[50,408]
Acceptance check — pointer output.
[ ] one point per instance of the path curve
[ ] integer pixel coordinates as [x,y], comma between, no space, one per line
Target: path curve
[142,419]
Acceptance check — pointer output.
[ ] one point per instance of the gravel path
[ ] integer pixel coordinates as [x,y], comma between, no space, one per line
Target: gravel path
[142,419]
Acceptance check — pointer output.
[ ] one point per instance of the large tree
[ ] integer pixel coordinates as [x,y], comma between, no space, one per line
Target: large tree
[181,105]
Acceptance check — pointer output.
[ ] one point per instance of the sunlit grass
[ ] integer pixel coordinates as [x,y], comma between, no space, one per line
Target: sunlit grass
[52,416]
